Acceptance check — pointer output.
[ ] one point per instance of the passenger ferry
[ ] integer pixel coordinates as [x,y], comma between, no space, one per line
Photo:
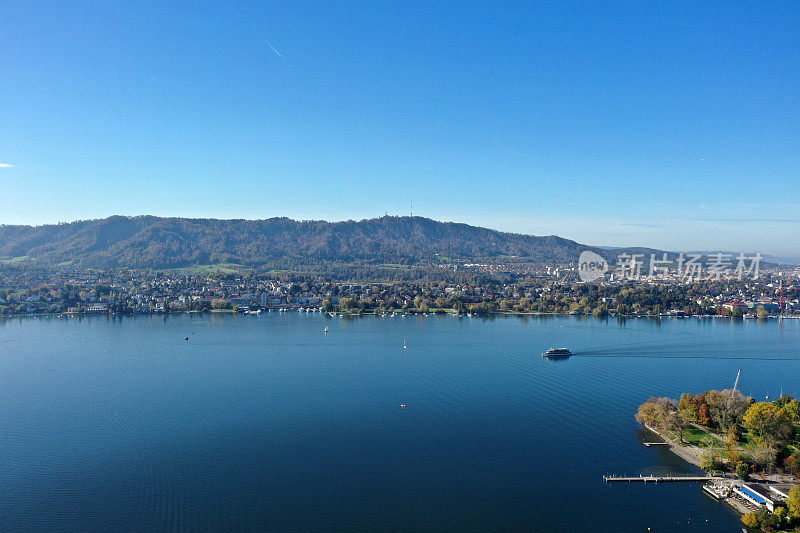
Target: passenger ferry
[557,352]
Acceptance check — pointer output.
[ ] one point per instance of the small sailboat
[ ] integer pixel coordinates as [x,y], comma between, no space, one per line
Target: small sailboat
[325,331]
[404,344]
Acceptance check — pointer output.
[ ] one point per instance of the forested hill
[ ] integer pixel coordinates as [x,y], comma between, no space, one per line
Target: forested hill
[154,242]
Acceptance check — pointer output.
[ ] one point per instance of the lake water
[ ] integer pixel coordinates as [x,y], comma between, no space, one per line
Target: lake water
[265,423]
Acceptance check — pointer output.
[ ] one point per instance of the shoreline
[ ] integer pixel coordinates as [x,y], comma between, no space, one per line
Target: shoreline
[692,454]
[686,453]
[449,312]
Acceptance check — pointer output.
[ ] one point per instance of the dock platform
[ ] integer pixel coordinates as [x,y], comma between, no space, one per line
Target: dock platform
[659,479]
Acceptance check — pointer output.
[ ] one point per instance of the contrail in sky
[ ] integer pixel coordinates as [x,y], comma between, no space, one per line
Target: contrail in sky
[273,48]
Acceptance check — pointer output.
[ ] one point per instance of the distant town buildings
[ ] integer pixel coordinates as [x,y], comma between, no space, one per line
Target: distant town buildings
[480,288]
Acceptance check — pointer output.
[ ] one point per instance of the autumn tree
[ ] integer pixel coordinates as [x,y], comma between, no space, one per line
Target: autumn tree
[768,423]
[687,407]
[760,519]
[726,407]
[703,417]
[793,502]
[654,412]
[731,445]
[675,422]
[764,457]
[792,408]
[750,520]
[220,303]
[792,465]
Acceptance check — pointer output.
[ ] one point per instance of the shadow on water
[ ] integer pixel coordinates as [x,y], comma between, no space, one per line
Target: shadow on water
[556,358]
[667,463]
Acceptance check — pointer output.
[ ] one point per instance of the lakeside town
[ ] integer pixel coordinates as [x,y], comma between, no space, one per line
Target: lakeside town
[549,290]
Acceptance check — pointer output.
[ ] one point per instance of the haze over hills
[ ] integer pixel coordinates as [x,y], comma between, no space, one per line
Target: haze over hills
[161,243]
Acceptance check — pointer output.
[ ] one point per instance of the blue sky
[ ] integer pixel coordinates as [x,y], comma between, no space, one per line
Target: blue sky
[666,124]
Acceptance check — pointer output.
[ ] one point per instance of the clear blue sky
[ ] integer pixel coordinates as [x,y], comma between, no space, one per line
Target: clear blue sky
[616,123]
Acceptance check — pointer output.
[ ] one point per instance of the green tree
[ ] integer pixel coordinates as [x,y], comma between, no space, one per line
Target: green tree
[743,470]
[711,461]
[781,515]
[761,519]
[793,502]
[220,303]
[347,304]
[768,424]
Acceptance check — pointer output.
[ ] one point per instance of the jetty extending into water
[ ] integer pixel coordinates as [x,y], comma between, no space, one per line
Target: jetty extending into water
[660,479]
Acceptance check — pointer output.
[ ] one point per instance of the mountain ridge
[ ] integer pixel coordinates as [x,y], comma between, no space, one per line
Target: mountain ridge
[148,241]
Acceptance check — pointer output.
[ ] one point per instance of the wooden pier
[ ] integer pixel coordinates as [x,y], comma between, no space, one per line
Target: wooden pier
[659,479]
[656,443]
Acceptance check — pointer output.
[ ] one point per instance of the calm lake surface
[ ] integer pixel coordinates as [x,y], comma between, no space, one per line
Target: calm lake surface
[265,423]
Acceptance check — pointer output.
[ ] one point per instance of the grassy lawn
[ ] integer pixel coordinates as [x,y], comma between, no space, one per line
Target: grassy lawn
[222,268]
[747,442]
[698,437]
[16,259]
